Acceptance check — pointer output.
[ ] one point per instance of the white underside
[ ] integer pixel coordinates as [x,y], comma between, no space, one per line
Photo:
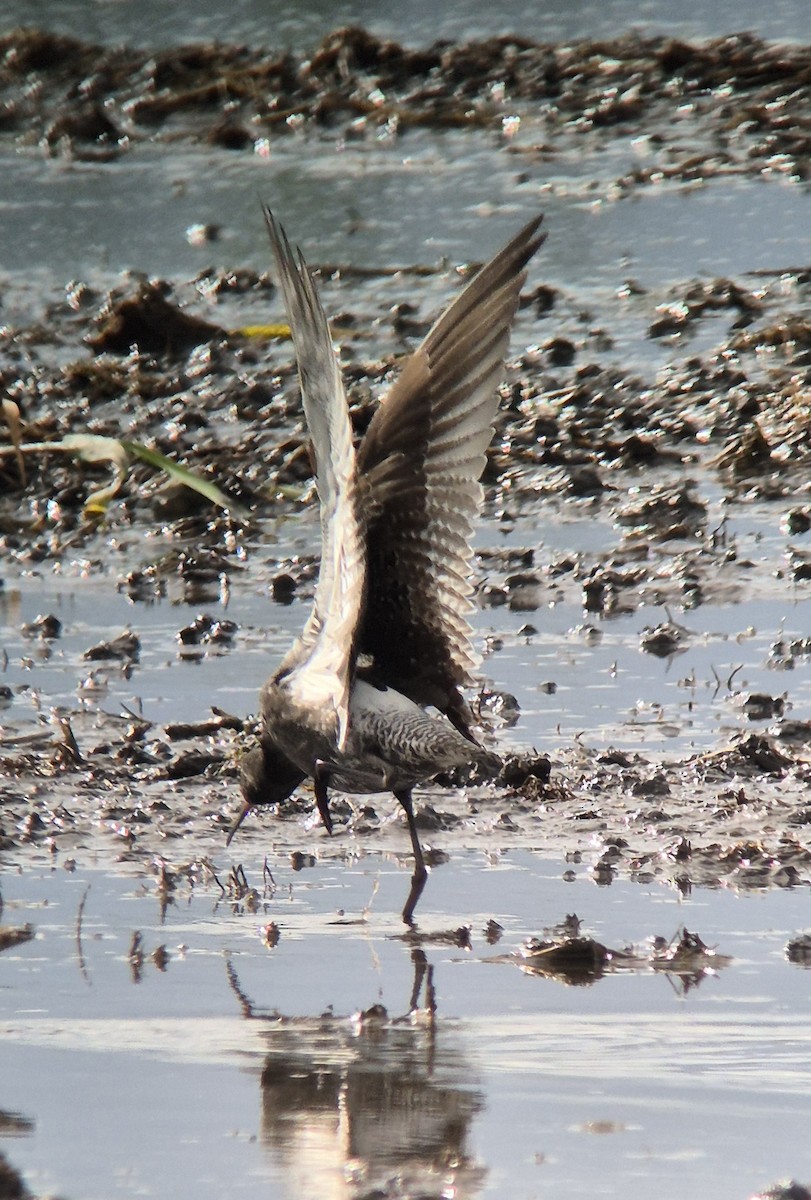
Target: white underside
[366,699]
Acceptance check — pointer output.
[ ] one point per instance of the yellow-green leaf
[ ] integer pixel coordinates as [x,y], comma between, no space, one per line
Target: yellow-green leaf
[93,448]
[264,332]
[183,475]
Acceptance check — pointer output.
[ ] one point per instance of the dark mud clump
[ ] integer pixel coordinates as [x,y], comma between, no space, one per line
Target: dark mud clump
[749,98]
[12,1186]
[168,795]
[149,322]
[580,961]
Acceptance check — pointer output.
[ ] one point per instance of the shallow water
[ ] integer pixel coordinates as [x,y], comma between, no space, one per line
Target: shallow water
[419,22]
[232,1066]
[605,689]
[428,197]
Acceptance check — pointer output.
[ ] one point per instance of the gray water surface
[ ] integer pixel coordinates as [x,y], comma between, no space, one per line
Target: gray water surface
[416,22]
[231,1067]
[421,201]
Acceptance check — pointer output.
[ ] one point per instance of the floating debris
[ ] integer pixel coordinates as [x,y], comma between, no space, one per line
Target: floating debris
[666,513]
[493,932]
[501,705]
[796,521]
[572,958]
[759,706]
[15,935]
[48,628]
[791,1190]
[799,950]
[127,646]
[271,935]
[687,954]
[579,961]
[664,640]
[207,630]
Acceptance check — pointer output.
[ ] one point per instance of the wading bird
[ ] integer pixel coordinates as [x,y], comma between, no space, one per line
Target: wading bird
[388,635]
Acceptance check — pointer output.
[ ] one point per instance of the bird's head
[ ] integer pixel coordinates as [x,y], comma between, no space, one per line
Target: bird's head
[266,776]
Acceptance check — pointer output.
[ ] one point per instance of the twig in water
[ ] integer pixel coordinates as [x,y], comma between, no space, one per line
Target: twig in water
[732,676]
[367,908]
[136,956]
[270,882]
[80,951]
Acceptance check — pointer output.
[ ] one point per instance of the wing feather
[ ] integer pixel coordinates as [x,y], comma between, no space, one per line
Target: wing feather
[420,465]
[320,665]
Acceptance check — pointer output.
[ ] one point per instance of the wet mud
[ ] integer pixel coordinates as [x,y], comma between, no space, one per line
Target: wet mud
[641,453]
[658,418]
[745,99]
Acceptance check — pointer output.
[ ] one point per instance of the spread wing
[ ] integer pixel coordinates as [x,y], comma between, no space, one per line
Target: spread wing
[420,465]
[319,666]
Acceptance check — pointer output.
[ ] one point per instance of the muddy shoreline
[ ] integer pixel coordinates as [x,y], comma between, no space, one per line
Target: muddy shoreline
[745,98]
[575,427]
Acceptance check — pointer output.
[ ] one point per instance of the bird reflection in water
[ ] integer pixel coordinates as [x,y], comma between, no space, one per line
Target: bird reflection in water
[368,1105]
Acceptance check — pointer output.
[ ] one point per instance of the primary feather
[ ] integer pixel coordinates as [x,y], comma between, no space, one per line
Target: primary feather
[420,465]
[318,668]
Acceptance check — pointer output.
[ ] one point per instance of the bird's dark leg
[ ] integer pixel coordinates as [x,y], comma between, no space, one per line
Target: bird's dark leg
[321,781]
[420,963]
[246,808]
[420,870]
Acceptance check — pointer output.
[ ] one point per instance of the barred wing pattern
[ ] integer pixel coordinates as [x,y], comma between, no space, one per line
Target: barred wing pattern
[420,465]
[319,666]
